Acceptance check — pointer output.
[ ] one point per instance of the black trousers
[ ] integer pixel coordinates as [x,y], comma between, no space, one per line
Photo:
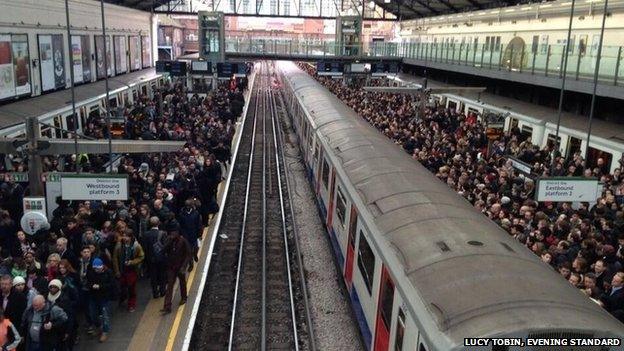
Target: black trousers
[158,277]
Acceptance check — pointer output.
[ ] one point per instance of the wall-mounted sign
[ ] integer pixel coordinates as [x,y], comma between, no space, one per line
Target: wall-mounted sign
[17,177]
[94,187]
[34,204]
[567,189]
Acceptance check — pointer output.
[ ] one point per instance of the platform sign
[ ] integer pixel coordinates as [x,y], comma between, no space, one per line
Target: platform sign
[325,68]
[567,189]
[34,204]
[94,187]
[519,165]
[16,177]
[201,67]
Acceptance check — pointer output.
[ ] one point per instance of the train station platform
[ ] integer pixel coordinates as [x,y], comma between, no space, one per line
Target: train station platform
[600,128]
[16,112]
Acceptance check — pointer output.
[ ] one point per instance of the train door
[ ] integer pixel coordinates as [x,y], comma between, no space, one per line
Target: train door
[348,268]
[384,312]
[399,330]
[574,145]
[330,212]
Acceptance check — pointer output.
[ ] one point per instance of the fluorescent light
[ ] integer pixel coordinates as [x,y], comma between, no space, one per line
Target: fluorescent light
[566,3]
[495,11]
[510,10]
[545,6]
[526,8]
[387,1]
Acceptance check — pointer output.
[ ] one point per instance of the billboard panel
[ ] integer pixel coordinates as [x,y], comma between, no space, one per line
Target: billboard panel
[99,56]
[7,85]
[59,61]
[21,64]
[85,43]
[76,58]
[119,43]
[46,62]
[146,51]
[135,52]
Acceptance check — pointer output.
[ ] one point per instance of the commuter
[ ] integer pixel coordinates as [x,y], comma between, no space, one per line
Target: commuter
[179,256]
[44,326]
[9,335]
[191,226]
[154,240]
[13,303]
[100,282]
[127,257]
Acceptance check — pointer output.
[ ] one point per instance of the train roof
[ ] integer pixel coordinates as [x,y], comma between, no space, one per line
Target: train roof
[474,278]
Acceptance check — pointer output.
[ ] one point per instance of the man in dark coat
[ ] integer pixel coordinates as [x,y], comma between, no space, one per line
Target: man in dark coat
[154,240]
[613,300]
[190,225]
[178,256]
[13,303]
[44,325]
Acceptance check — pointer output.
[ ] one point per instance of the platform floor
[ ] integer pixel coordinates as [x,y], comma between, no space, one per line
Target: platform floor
[601,128]
[147,328]
[16,112]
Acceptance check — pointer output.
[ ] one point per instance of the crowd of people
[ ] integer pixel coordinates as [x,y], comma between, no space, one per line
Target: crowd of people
[92,254]
[584,242]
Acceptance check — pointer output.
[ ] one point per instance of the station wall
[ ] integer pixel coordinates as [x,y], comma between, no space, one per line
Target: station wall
[35,24]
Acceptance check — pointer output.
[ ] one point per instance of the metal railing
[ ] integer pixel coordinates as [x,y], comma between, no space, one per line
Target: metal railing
[542,59]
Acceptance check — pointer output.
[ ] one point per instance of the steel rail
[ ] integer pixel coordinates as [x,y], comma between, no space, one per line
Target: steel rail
[264,221]
[284,230]
[242,241]
[304,287]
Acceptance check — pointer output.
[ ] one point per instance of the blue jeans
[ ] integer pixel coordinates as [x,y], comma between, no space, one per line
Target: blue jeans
[100,312]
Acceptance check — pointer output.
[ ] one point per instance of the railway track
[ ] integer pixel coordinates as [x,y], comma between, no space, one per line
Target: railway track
[254,295]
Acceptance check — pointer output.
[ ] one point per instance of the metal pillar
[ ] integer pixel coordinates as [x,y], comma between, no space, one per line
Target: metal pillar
[73,92]
[108,121]
[596,72]
[563,81]
[34,160]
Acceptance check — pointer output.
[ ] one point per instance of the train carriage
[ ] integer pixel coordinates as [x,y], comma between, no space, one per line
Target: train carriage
[424,269]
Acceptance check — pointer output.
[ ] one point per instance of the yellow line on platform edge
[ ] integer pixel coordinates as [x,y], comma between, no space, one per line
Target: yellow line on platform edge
[180,311]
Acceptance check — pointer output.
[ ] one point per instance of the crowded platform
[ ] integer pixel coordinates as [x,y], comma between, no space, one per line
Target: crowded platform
[584,242]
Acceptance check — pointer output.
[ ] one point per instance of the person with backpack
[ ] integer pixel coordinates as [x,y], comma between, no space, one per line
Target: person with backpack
[44,325]
[100,283]
[154,240]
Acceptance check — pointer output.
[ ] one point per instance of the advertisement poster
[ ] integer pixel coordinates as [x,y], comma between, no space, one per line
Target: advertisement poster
[99,54]
[135,53]
[76,58]
[121,64]
[7,87]
[46,62]
[86,58]
[146,51]
[59,61]
[21,61]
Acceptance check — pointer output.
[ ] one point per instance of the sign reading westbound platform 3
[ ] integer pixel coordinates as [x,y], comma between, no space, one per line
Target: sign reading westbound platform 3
[94,187]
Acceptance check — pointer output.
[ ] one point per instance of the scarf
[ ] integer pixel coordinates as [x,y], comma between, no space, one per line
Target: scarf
[52,297]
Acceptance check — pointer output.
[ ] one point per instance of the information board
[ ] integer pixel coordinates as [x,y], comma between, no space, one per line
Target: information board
[231,69]
[324,68]
[134,48]
[163,66]
[94,187]
[384,68]
[146,51]
[119,43]
[560,189]
[201,67]
[178,68]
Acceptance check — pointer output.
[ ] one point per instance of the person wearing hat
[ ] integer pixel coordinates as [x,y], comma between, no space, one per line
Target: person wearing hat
[20,287]
[178,255]
[13,303]
[57,297]
[100,284]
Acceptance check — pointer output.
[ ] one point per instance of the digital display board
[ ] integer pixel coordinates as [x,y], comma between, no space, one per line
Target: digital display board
[201,67]
[178,68]
[229,69]
[384,68]
[163,66]
[324,68]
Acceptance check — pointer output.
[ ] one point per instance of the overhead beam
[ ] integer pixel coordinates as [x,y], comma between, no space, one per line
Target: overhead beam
[476,4]
[425,5]
[448,4]
[416,90]
[61,146]
[411,8]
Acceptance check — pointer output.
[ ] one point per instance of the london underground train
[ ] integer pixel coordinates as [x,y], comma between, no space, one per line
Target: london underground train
[424,269]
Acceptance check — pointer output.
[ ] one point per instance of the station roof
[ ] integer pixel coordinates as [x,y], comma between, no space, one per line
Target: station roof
[412,9]
[402,9]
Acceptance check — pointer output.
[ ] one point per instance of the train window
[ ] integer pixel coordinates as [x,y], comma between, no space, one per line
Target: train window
[341,209]
[70,122]
[58,124]
[387,301]
[46,132]
[400,331]
[352,227]
[112,102]
[526,132]
[325,173]
[574,145]
[552,139]
[366,262]
[422,347]
[535,44]
[496,44]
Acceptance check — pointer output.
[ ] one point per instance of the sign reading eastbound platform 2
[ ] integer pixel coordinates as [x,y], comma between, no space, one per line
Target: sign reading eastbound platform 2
[567,189]
[94,187]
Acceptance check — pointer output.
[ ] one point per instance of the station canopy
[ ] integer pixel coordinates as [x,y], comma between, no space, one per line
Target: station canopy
[392,9]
